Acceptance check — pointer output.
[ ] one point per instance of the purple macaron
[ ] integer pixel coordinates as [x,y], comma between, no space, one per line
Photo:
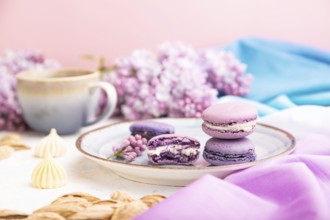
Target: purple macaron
[227,152]
[149,129]
[230,120]
[173,149]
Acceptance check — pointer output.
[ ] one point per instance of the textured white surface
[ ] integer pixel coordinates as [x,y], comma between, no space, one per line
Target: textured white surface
[16,191]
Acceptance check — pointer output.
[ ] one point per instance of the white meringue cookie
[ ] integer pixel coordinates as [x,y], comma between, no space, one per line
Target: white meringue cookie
[52,144]
[48,174]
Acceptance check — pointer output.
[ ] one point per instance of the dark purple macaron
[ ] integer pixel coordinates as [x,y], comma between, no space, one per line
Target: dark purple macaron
[227,152]
[149,129]
[229,120]
[173,149]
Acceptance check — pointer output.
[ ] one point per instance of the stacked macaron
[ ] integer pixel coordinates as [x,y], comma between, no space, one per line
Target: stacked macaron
[228,124]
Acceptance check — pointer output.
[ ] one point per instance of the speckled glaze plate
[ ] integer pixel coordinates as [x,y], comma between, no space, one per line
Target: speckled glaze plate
[270,142]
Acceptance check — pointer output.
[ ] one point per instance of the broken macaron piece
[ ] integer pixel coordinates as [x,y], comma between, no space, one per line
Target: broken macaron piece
[230,120]
[173,149]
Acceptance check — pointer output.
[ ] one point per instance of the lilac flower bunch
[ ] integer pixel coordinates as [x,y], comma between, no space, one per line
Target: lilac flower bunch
[130,148]
[11,63]
[225,72]
[175,81]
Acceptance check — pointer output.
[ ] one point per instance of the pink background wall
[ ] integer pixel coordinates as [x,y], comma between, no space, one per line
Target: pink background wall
[66,29]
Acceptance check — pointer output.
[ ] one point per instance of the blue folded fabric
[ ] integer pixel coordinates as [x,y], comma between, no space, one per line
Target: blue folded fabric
[285,74]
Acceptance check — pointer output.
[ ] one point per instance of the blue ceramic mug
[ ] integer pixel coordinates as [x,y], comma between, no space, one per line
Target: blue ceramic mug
[63,99]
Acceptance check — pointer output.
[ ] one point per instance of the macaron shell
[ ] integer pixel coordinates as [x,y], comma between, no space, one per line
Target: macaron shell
[226,134]
[226,152]
[216,161]
[229,146]
[229,112]
[150,129]
[170,139]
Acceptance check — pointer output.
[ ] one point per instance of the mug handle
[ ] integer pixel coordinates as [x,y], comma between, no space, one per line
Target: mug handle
[112,98]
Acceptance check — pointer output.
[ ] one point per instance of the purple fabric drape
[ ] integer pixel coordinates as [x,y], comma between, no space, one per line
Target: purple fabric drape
[295,186]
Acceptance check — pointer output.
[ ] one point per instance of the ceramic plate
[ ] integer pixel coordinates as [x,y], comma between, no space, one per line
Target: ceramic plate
[270,142]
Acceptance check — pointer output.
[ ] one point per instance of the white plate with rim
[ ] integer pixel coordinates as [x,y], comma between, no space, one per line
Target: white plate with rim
[270,142]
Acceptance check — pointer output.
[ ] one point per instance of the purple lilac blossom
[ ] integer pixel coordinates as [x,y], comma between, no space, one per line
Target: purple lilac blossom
[129,148]
[225,72]
[11,63]
[175,81]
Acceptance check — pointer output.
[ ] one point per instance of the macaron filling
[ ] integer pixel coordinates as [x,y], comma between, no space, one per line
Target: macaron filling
[232,127]
[174,149]
[171,149]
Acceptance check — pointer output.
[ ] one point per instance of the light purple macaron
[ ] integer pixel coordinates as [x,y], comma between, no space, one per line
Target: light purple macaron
[173,149]
[230,120]
[149,129]
[226,152]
